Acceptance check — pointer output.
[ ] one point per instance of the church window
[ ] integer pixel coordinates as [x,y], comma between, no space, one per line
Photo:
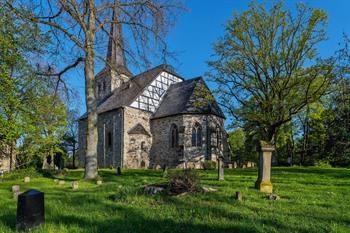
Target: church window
[103,85]
[174,132]
[109,140]
[197,135]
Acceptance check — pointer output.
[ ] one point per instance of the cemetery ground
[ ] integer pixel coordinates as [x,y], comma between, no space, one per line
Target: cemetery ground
[312,200]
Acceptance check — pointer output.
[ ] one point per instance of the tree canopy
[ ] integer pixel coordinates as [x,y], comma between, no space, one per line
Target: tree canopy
[267,67]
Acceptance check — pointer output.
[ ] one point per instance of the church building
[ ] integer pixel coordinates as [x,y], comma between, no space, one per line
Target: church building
[152,119]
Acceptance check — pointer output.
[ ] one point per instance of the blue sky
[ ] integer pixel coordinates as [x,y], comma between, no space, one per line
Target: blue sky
[203,23]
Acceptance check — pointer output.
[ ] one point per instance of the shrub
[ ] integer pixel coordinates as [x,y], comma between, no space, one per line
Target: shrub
[21,173]
[209,165]
[323,164]
[184,181]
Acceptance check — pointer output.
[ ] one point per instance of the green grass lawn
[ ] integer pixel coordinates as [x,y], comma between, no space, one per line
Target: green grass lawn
[312,200]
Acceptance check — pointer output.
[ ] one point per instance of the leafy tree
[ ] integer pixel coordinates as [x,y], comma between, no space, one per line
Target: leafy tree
[18,41]
[236,140]
[30,114]
[267,69]
[71,136]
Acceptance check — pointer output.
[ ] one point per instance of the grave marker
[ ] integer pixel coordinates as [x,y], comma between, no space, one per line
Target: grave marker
[30,210]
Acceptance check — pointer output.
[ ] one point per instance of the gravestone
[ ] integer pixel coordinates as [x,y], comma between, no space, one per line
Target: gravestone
[26,179]
[75,185]
[15,188]
[61,182]
[263,182]
[30,210]
[221,168]
[99,182]
[238,196]
[15,191]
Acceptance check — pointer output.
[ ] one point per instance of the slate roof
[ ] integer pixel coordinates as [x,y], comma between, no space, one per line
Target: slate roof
[125,95]
[180,98]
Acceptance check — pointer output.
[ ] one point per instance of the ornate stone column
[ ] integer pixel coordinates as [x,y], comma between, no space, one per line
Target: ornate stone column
[263,182]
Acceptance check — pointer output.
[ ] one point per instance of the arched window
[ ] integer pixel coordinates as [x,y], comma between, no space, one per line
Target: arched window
[174,136]
[197,135]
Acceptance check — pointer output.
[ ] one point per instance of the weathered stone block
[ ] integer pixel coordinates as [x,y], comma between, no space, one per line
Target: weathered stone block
[61,182]
[15,188]
[75,185]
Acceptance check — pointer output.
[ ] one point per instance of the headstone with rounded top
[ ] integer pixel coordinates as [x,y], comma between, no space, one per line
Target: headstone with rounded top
[30,210]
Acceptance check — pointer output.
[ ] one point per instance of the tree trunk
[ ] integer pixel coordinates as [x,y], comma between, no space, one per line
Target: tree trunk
[11,157]
[92,134]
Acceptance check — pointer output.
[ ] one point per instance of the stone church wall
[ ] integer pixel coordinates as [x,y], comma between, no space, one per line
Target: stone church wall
[108,142]
[137,145]
[120,145]
[162,153]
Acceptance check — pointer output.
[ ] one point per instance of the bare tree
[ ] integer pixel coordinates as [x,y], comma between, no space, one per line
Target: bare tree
[78,29]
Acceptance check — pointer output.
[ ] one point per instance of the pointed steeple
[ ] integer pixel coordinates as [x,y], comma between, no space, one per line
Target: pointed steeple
[115,51]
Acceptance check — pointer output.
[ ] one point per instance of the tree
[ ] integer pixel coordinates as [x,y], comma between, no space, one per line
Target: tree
[267,69]
[71,136]
[236,140]
[18,87]
[47,125]
[83,23]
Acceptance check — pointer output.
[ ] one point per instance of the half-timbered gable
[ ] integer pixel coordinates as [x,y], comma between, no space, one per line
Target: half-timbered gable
[152,94]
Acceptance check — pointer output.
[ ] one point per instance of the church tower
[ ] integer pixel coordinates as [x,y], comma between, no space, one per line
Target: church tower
[115,72]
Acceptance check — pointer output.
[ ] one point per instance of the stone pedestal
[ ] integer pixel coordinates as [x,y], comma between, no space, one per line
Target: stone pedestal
[263,182]
[221,168]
